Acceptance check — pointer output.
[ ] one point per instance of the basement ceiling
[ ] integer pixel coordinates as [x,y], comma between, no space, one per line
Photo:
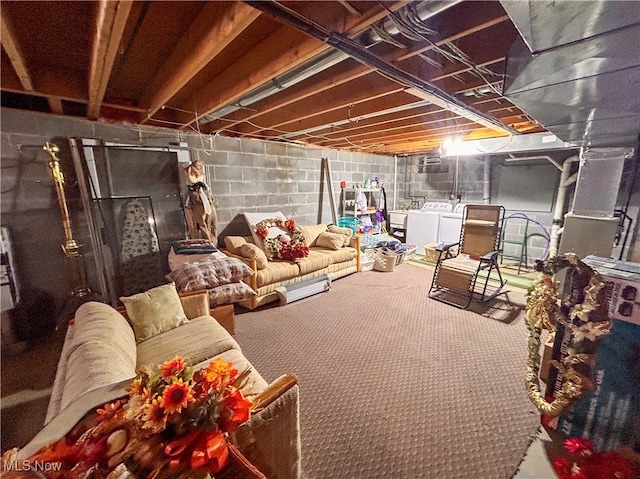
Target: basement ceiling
[377,76]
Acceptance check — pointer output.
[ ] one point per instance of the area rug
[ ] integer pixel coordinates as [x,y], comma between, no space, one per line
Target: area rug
[514,281]
[396,385]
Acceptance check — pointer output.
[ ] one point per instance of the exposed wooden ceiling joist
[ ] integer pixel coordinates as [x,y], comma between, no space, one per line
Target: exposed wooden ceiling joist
[202,42]
[111,19]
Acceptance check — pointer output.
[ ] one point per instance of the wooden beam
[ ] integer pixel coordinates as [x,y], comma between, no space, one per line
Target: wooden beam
[206,37]
[494,34]
[284,50]
[110,22]
[55,105]
[364,89]
[11,47]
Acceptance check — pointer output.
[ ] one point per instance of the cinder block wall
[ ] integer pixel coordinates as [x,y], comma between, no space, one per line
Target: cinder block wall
[261,176]
[245,175]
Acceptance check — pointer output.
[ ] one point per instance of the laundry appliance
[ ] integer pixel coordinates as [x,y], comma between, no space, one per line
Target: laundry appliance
[451,224]
[423,224]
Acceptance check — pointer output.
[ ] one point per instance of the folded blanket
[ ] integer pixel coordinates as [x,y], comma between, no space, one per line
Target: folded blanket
[194,246]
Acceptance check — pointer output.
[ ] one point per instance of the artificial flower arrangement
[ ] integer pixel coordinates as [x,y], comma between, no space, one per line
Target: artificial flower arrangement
[587,463]
[174,423]
[288,246]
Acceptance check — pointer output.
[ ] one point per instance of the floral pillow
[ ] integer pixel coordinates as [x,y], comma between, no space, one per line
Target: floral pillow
[230,293]
[209,274]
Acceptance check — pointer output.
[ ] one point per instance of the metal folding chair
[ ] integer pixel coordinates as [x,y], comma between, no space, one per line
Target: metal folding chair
[463,274]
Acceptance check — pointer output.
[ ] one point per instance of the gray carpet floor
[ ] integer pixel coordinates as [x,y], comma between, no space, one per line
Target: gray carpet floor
[396,385]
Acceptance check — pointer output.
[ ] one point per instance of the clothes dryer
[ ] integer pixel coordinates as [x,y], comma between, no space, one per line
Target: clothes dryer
[423,224]
[450,225]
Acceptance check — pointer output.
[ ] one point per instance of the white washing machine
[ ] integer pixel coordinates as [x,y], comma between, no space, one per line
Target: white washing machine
[423,224]
[451,224]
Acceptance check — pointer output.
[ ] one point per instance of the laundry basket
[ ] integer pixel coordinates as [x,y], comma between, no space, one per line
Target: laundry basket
[384,260]
[349,222]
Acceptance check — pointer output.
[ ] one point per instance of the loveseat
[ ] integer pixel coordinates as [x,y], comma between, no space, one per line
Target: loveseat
[332,251]
[102,351]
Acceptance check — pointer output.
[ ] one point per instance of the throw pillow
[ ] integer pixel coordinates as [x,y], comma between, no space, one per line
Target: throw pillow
[311,233]
[230,293]
[209,274]
[154,311]
[330,240]
[251,251]
[347,232]
[233,244]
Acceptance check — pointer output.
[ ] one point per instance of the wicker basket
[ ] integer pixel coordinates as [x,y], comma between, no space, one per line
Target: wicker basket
[430,253]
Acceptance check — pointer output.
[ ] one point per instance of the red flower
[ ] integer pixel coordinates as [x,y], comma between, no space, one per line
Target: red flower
[262,231]
[579,446]
[173,367]
[562,466]
[235,410]
[290,224]
[607,465]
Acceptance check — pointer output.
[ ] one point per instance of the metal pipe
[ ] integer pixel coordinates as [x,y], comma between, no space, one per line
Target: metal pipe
[416,85]
[558,212]
[486,183]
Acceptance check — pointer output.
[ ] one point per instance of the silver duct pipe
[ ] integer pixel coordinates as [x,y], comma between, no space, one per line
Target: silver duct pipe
[424,11]
[558,212]
[486,182]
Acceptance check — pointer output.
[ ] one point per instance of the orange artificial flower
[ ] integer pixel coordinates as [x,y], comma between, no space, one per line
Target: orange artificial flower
[176,396]
[173,367]
[154,416]
[107,410]
[136,388]
[220,369]
[235,411]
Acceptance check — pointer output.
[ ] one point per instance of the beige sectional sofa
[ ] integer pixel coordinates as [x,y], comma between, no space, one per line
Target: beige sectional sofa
[324,258]
[100,356]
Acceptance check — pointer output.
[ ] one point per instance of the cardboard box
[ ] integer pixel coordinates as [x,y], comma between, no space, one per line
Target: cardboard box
[608,412]
[623,279]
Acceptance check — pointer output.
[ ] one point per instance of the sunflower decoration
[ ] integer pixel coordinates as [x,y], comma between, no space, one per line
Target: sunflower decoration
[178,417]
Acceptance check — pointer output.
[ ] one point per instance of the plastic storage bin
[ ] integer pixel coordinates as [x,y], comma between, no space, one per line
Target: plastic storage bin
[349,222]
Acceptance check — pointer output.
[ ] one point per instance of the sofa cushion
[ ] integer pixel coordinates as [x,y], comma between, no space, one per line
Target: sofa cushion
[346,232]
[340,255]
[230,293]
[233,244]
[209,274]
[197,340]
[311,233]
[277,271]
[314,262]
[154,311]
[251,251]
[330,240]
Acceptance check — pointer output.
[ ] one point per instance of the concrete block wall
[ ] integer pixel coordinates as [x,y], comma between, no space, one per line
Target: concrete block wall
[245,175]
[261,176]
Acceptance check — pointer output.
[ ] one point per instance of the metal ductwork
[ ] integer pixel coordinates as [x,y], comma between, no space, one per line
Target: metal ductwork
[576,68]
